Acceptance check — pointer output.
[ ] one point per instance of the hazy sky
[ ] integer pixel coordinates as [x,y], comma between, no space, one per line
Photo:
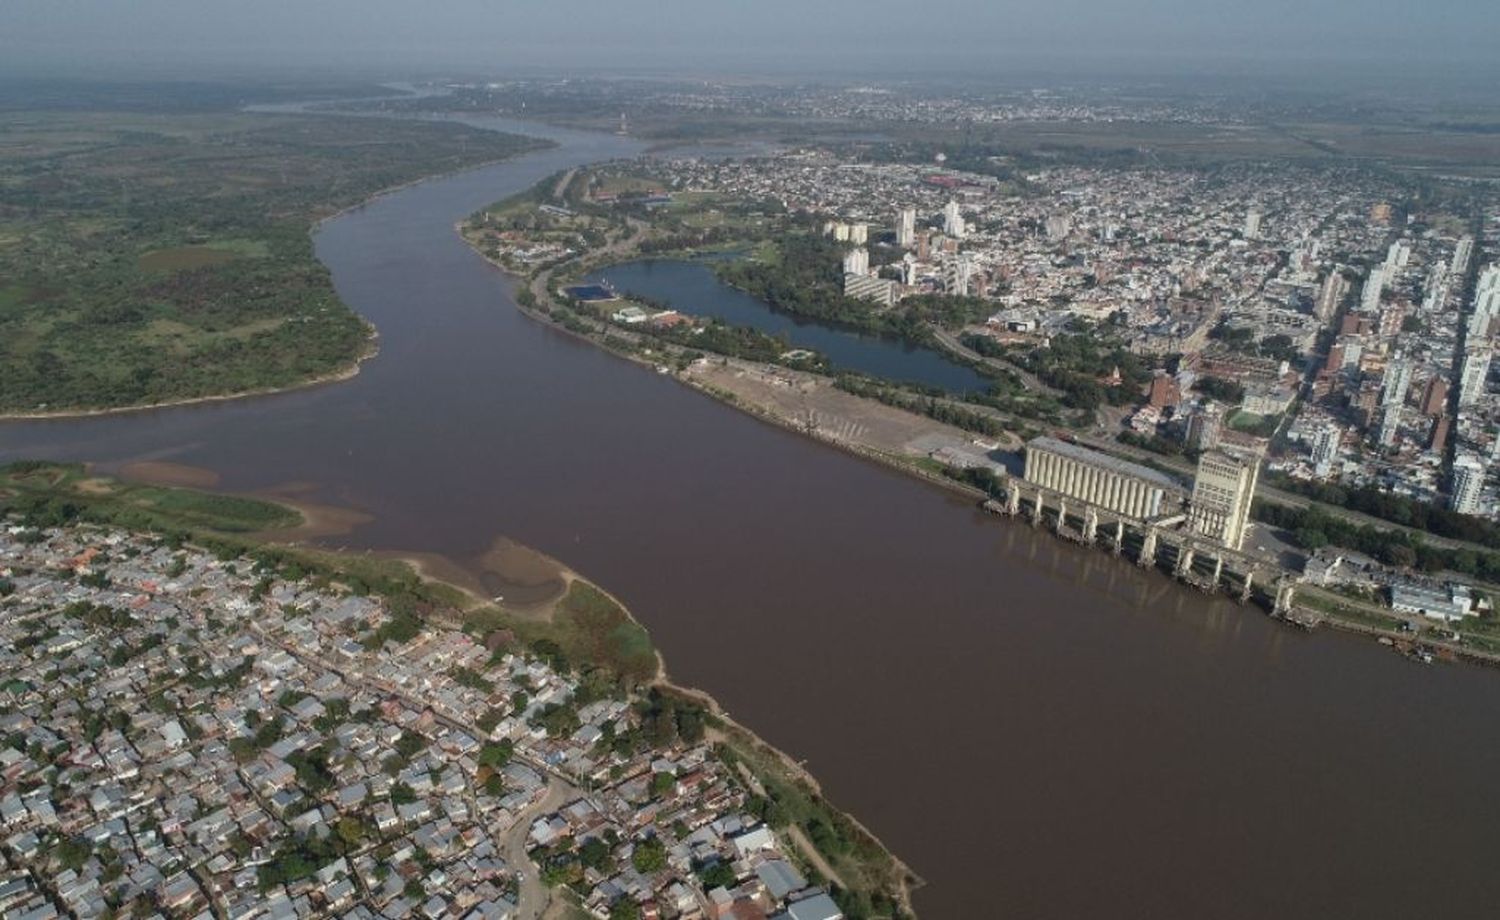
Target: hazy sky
[746,36]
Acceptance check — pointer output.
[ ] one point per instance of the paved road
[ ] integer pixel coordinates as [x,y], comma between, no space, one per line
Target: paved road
[1029,380]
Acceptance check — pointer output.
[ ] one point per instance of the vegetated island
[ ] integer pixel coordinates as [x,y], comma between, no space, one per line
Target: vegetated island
[673,791]
[160,257]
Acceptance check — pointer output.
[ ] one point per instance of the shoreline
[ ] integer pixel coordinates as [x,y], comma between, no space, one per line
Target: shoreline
[463,577]
[425,566]
[1454,653]
[339,375]
[332,377]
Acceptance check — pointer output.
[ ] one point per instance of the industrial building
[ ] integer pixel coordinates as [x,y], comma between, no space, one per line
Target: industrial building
[1124,488]
[1223,490]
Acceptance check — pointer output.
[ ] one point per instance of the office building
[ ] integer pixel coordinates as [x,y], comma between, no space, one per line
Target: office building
[857,262]
[1223,491]
[1124,488]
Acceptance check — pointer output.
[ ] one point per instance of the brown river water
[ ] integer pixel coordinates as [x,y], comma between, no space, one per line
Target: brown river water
[1039,730]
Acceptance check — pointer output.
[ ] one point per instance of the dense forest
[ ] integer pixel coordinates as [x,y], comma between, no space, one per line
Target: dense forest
[156,257]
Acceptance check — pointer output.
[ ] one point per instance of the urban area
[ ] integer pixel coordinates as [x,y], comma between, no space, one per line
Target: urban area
[187,735]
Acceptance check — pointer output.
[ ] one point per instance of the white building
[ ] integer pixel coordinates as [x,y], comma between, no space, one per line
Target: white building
[906,228]
[1223,490]
[857,262]
[1471,381]
[1116,485]
[1468,484]
[953,221]
[1325,450]
[1252,224]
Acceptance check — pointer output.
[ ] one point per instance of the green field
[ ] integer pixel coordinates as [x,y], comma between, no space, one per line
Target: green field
[62,492]
[148,257]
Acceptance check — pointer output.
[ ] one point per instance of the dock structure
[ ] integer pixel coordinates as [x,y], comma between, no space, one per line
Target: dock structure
[1164,541]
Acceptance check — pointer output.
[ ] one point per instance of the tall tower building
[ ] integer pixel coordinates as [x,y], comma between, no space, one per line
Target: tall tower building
[1204,427]
[1223,490]
[953,221]
[1471,381]
[1252,224]
[1330,295]
[1325,450]
[857,262]
[1462,253]
[1397,381]
[906,228]
[1468,483]
[960,271]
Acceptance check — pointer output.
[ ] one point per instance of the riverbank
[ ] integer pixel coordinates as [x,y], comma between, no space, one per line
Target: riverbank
[338,376]
[574,614]
[768,402]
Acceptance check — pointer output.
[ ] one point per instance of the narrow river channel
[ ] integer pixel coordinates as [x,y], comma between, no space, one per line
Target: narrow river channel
[1038,729]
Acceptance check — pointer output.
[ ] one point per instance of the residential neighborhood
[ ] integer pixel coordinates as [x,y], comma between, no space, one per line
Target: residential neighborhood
[187,735]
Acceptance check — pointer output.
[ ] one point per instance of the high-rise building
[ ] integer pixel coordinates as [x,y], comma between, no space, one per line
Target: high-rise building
[1330,295]
[957,274]
[1205,426]
[953,221]
[906,228]
[1468,483]
[1223,491]
[1486,303]
[1462,253]
[1472,378]
[1325,449]
[857,261]
[1252,224]
[1397,381]
[1390,424]
[1058,227]
[1369,296]
[859,234]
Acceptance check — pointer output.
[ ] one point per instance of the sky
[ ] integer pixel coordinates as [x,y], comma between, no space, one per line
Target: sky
[207,37]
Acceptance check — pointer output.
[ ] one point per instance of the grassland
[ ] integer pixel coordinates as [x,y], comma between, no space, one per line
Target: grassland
[61,492]
[149,257]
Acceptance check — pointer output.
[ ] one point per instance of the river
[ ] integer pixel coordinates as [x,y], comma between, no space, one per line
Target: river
[1038,729]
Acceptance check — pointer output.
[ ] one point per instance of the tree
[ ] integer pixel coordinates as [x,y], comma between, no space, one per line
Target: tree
[624,909]
[649,855]
[350,830]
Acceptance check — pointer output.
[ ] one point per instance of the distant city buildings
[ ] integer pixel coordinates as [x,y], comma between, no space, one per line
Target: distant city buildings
[906,228]
[953,221]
